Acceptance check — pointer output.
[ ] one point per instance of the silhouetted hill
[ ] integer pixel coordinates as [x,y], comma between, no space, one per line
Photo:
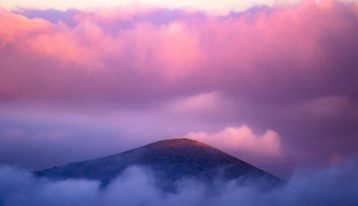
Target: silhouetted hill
[170,160]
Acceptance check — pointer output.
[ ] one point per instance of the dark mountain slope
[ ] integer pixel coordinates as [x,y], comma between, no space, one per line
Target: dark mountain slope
[170,160]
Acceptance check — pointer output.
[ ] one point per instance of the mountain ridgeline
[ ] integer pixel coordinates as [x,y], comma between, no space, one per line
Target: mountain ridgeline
[170,160]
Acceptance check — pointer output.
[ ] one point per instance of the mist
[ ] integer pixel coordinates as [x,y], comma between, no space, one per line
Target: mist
[336,185]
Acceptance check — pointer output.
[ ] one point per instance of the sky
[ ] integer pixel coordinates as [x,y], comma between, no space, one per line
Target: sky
[273,83]
[205,5]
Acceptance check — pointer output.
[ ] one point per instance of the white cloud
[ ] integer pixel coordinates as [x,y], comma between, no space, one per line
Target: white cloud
[242,141]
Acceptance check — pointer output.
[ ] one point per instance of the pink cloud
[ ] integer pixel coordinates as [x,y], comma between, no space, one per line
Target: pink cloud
[243,142]
[170,51]
[287,41]
[211,103]
[15,27]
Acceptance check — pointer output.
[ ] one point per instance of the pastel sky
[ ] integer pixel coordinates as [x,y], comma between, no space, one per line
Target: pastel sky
[206,5]
[275,85]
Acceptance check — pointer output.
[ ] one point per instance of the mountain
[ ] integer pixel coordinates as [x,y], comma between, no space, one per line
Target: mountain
[170,160]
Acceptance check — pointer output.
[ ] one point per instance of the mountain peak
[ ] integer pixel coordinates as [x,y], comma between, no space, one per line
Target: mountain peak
[178,142]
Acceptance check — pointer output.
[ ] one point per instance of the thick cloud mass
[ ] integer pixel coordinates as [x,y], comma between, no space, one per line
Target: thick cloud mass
[333,186]
[81,84]
[276,55]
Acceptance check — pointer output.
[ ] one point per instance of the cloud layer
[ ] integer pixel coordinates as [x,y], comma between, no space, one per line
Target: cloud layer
[263,54]
[333,186]
[111,79]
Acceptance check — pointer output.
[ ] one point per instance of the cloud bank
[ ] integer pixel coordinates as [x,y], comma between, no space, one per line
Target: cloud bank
[333,186]
[118,78]
[111,55]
